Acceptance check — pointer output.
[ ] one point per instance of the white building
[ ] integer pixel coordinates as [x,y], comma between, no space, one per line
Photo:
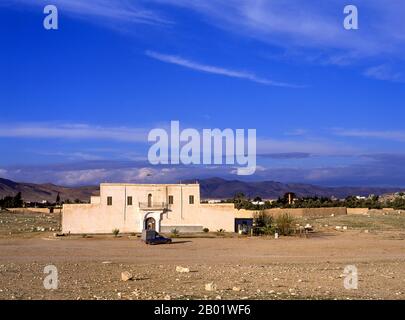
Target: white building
[132,208]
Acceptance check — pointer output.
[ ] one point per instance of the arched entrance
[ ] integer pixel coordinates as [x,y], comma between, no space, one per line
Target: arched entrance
[150,224]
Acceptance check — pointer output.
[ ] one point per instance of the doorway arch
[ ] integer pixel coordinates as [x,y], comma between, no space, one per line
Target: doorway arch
[150,224]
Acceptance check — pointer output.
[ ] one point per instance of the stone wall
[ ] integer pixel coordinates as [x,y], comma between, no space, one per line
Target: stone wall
[224,210]
[351,211]
[93,219]
[309,212]
[33,210]
[302,212]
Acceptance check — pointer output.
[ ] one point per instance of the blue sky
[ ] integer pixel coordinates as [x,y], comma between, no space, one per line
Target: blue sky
[328,103]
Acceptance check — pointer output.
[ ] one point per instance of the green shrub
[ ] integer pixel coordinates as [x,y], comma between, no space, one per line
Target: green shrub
[263,223]
[220,232]
[268,230]
[116,232]
[285,224]
[175,233]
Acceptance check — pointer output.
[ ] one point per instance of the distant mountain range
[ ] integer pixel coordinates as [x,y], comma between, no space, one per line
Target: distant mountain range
[217,188]
[39,192]
[214,188]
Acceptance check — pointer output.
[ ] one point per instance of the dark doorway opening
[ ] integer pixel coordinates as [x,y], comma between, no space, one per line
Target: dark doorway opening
[243,226]
[150,224]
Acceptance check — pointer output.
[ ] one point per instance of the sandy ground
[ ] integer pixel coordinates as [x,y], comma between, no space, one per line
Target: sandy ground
[241,268]
[263,269]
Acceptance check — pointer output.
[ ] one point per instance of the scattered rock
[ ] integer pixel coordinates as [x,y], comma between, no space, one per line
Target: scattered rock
[126,276]
[236,289]
[210,287]
[182,270]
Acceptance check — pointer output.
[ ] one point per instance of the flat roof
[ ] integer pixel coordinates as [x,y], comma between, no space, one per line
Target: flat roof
[148,184]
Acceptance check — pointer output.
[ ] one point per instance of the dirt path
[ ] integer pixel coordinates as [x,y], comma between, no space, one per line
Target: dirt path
[347,247]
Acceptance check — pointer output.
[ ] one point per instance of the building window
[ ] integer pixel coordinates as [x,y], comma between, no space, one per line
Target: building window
[109,201]
[171,199]
[129,201]
[149,200]
[191,200]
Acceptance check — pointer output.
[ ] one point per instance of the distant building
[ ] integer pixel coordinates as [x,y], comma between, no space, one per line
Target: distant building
[258,203]
[214,201]
[290,197]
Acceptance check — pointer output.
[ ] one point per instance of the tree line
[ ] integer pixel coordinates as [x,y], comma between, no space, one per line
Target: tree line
[373,202]
[12,202]
[17,201]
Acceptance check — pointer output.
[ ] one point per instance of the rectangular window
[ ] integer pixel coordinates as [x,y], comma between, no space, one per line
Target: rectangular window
[129,201]
[191,200]
[109,201]
[171,199]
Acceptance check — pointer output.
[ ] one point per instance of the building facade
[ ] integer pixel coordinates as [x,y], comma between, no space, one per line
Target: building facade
[132,208]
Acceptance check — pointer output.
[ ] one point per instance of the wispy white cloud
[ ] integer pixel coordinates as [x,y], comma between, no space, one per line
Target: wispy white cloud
[305,30]
[297,132]
[383,72]
[374,134]
[177,60]
[291,24]
[377,171]
[95,176]
[297,141]
[304,144]
[296,24]
[116,10]
[72,131]
[72,155]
